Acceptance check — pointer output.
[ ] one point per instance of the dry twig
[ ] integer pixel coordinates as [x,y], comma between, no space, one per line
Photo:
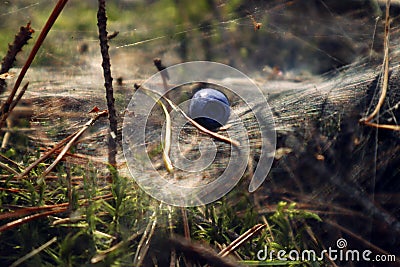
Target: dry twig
[21,39]
[167,139]
[195,251]
[112,113]
[249,234]
[385,84]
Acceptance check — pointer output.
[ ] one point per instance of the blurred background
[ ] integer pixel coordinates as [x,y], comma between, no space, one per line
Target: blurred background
[297,37]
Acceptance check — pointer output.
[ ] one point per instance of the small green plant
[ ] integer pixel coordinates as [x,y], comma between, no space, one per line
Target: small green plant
[220,225]
[288,225]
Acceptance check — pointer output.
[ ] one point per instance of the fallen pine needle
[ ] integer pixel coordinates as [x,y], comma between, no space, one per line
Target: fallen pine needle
[73,140]
[29,218]
[33,252]
[45,156]
[144,242]
[242,239]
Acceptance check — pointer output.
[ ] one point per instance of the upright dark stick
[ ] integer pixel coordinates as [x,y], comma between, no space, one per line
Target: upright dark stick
[21,39]
[112,114]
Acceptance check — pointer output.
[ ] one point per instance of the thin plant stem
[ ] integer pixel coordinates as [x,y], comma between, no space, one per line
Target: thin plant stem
[185,221]
[383,126]
[19,96]
[112,114]
[167,139]
[385,84]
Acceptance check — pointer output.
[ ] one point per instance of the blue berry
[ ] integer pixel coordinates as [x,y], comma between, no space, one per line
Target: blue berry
[210,108]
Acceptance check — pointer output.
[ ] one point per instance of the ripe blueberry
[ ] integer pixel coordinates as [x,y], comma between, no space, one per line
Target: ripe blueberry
[210,108]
